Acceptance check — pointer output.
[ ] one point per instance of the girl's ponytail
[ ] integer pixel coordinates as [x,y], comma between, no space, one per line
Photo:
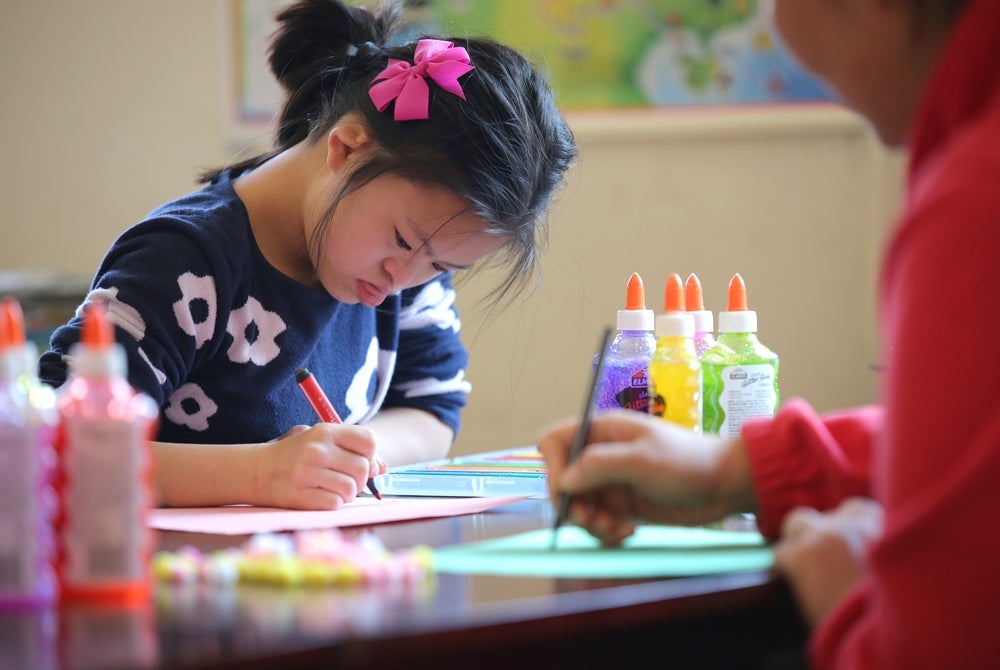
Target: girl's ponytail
[314,36]
[491,134]
[310,53]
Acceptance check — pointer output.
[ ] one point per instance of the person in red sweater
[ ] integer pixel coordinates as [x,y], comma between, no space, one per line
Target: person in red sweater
[886,517]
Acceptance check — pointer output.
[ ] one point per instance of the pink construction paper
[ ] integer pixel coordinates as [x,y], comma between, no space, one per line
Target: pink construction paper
[246,520]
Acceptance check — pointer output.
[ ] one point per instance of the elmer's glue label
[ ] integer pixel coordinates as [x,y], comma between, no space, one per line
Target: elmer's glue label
[741,374]
[624,384]
[675,372]
[104,478]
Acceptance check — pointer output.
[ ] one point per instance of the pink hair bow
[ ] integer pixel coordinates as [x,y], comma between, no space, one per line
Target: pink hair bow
[407,84]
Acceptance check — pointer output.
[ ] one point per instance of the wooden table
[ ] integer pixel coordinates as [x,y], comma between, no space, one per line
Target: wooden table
[744,620]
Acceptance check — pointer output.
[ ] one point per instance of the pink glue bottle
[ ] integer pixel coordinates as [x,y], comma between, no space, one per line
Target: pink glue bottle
[624,384]
[27,501]
[703,322]
[104,474]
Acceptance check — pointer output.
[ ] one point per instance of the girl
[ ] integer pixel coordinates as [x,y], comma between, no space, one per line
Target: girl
[393,168]
[906,576]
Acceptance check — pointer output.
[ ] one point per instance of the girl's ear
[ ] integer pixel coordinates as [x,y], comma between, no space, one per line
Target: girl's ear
[343,140]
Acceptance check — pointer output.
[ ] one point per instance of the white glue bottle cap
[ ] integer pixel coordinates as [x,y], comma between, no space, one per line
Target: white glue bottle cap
[695,305]
[635,316]
[737,318]
[17,356]
[674,322]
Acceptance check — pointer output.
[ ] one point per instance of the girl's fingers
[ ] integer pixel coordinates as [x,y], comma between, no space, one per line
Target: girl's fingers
[377,466]
[336,482]
[317,500]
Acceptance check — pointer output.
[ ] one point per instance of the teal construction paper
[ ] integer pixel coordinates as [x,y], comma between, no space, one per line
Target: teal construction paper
[653,551]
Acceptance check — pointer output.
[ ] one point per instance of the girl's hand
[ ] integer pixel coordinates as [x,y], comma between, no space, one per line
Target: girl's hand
[641,468]
[378,464]
[315,468]
[823,555]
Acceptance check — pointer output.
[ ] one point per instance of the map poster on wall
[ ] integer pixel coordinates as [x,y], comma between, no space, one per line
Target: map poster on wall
[627,53]
[597,53]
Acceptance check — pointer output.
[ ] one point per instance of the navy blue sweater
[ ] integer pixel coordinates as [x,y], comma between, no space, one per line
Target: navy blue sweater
[214,333]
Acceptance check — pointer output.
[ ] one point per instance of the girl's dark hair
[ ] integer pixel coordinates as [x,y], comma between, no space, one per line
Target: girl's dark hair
[504,148]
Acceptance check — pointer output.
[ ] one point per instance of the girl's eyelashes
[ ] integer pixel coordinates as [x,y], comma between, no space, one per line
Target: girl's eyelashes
[401,243]
[405,246]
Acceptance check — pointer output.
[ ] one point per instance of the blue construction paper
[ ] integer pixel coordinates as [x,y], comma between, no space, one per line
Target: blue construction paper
[653,551]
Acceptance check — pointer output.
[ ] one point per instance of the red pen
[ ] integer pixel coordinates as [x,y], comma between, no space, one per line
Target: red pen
[324,410]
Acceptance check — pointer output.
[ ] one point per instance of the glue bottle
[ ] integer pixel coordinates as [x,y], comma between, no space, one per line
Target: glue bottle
[694,302]
[741,374]
[104,477]
[675,372]
[624,384]
[27,501]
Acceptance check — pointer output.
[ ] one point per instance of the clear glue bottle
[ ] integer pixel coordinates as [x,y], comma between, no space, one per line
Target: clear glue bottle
[104,475]
[27,461]
[741,374]
[624,384]
[694,302]
[675,372]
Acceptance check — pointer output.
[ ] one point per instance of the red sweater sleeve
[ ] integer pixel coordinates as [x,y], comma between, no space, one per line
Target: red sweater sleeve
[930,597]
[801,458]
[932,584]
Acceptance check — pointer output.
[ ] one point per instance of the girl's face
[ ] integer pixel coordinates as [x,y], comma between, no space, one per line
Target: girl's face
[393,234]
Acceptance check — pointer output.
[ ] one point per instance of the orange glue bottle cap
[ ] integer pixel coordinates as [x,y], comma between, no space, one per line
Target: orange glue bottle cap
[704,322]
[19,355]
[5,339]
[635,316]
[674,322]
[737,318]
[15,321]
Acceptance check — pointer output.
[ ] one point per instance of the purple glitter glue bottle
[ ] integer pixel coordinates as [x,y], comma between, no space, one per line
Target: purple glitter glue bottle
[624,384]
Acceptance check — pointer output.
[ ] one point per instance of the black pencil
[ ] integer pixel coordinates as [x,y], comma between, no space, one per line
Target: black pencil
[580,438]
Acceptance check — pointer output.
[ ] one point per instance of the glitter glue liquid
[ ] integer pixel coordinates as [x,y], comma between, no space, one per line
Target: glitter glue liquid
[694,303]
[741,374]
[675,372]
[624,384]
[27,459]
[104,474]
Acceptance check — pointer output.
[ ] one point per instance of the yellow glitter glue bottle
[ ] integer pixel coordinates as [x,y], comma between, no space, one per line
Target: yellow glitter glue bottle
[675,372]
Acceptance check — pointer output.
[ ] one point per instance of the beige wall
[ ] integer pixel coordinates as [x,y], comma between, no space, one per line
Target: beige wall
[110,107]
[794,199]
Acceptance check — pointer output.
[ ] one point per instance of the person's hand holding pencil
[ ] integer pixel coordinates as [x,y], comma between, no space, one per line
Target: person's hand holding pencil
[317,467]
[325,411]
[637,468]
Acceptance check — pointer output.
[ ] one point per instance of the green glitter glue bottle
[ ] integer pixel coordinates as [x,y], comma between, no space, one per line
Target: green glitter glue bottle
[740,373]
[624,384]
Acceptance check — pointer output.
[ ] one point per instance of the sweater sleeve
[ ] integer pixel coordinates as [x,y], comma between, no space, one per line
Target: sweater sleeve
[431,361]
[141,279]
[931,589]
[802,458]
